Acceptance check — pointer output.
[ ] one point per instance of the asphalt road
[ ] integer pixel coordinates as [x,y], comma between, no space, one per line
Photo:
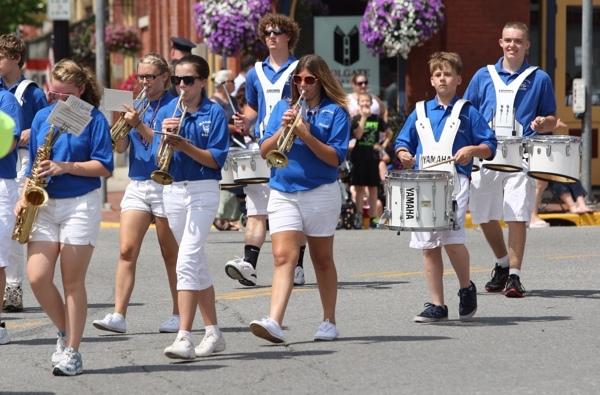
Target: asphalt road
[544,343]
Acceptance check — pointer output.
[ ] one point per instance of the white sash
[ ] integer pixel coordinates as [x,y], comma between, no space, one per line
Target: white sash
[21,90]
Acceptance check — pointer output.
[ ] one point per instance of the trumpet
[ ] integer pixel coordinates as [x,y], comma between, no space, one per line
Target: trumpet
[121,128]
[278,157]
[165,151]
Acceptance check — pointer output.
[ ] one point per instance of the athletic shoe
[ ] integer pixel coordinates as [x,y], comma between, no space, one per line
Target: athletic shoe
[59,354]
[239,269]
[468,302]
[210,344]
[299,276]
[4,338]
[182,348]
[498,280]
[13,299]
[268,329]
[514,288]
[326,331]
[432,313]
[170,325]
[111,322]
[70,365]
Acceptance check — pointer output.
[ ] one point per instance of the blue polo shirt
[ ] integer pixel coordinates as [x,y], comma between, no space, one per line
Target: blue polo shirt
[254,91]
[92,144]
[534,98]
[473,130]
[10,105]
[206,129]
[142,156]
[34,100]
[330,123]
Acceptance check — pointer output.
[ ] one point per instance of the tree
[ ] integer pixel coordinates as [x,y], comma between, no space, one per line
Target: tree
[21,12]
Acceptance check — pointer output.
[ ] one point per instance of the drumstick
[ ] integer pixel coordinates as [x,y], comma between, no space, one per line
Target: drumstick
[438,163]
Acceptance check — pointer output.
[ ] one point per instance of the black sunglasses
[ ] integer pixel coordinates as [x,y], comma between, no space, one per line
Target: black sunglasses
[365,82]
[277,32]
[187,79]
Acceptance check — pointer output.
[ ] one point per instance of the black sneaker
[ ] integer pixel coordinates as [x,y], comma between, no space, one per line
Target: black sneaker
[498,281]
[468,302]
[432,313]
[514,288]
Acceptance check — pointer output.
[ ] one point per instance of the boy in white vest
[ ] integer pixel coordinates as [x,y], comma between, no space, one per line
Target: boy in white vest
[448,131]
[518,100]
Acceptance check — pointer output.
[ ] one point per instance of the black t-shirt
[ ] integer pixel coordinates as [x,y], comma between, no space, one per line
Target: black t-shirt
[374,125]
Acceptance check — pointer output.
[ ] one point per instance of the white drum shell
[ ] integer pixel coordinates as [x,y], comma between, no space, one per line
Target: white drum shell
[249,167]
[227,181]
[555,158]
[509,155]
[419,200]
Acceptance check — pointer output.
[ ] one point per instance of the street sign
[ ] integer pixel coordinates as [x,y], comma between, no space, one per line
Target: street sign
[578,96]
[59,10]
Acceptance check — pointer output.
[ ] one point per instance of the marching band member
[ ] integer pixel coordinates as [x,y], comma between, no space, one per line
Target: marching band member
[266,84]
[68,224]
[10,111]
[305,199]
[191,201]
[446,127]
[143,199]
[509,93]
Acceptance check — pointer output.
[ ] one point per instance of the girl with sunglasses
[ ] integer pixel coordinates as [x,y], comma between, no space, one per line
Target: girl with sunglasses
[305,198]
[200,149]
[142,202]
[68,224]
[360,84]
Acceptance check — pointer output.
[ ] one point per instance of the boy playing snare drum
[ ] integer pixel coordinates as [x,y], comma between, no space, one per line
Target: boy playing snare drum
[446,133]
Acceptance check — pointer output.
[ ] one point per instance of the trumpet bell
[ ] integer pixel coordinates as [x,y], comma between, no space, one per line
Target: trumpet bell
[36,196]
[161,177]
[277,158]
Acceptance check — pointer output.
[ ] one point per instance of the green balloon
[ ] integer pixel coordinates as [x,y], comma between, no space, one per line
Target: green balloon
[7,130]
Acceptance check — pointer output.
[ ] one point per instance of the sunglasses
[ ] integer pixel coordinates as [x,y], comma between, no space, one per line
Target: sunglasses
[277,32]
[187,79]
[362,83]
[308,80]
[147,77]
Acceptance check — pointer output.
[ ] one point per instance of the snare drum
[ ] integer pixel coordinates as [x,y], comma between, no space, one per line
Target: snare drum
[555,158]
[249,167]
[419,200]
[227,181]
[509,155]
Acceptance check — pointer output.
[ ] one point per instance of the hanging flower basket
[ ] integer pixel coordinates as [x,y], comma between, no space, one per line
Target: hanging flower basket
[393,27]
[122,39]
[229,25]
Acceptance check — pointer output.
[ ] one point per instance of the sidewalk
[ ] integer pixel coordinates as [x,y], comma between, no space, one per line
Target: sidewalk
[115,186]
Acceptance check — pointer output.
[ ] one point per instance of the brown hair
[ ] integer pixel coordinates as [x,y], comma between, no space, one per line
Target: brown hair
[519,26]
[330,86]
[13,47]
[288,25]
[440,59]
[66,70]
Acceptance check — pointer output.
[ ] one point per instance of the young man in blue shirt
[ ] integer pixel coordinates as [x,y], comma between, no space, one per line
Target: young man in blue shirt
[446,127]
[510,87]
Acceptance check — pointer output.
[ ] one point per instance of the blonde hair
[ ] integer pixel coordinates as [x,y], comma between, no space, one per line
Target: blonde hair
[66,70]
[330,86]
[519,26]
[438,60]
[159,62]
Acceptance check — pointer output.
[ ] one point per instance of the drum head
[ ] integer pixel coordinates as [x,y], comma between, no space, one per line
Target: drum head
[503,168]
[419,174]
[546,176]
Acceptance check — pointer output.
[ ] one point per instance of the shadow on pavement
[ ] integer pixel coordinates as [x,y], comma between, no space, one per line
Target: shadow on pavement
[378,339]
[52,341]
[173,367]
[500,321]
[343,285]
[564,293]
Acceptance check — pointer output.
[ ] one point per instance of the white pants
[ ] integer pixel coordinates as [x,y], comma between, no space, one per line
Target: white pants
[14,271]
[257,199]
[8,198]
[430,240]
[144,196]
[191,207]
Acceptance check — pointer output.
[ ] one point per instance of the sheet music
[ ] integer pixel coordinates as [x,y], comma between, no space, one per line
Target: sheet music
[79,105]
[69,119]
[116,99]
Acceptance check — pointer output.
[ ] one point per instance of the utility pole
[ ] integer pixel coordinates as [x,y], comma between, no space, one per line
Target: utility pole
[586,73]
[101,72]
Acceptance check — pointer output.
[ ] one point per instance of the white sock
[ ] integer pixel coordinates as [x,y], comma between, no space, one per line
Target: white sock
[181,334]
[503,262]
[212,329]
[514,271]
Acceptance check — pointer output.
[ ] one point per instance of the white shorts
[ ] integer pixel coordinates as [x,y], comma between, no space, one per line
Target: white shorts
[430,240]
[74,221]
[191,207]
[144,196]
[313,212]
[8,198]
[257,199]
[499,195]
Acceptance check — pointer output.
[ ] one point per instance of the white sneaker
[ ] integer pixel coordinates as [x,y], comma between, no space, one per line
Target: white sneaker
[182,348]
[210,344]
[326,331]
[170,325]
[239,269]
[59,355]
[299,276]
[111,322]
[70,365]
[268,329]
[4,338]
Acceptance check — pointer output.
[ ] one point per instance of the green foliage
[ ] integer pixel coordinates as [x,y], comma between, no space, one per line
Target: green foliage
[21,12]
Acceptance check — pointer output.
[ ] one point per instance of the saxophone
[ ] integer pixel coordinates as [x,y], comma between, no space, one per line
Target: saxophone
[34,192]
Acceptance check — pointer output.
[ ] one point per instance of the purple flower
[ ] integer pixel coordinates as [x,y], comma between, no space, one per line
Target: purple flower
[123,39]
